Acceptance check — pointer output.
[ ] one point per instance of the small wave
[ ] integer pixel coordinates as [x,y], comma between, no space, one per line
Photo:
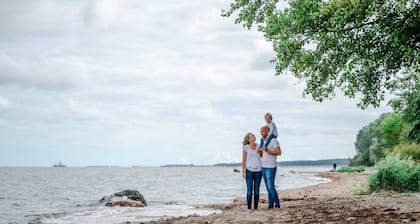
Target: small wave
[173,203]
[107,215]
[37,219]
[159,202]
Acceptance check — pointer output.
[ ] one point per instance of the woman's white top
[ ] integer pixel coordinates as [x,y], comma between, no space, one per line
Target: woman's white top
[253,159]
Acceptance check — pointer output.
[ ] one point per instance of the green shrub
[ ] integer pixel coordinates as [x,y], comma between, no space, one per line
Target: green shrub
[362,189]
[395,174]
[351,169]
[407,150]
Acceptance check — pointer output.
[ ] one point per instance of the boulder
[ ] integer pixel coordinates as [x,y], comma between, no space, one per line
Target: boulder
[129,198]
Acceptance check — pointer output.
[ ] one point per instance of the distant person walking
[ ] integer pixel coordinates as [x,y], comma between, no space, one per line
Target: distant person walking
[269,167]
[251,169]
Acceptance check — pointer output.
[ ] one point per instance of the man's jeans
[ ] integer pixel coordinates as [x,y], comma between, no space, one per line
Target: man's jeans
[269,175]
[253,181]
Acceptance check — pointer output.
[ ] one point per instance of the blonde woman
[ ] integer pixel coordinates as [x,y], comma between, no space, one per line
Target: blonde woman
[251,169]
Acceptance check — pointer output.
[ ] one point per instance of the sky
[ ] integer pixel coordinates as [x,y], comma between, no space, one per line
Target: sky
[150,83]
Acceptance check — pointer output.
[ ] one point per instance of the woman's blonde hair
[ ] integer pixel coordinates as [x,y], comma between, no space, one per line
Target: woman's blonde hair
[246,139]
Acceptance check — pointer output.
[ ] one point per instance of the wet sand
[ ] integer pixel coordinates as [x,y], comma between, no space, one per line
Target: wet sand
[332,202]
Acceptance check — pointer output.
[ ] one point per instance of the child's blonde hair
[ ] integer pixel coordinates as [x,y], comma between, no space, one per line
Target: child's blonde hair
[246,139]
[269,116]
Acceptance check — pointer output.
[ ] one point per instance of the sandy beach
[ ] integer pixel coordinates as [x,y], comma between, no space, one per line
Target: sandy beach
[332,202]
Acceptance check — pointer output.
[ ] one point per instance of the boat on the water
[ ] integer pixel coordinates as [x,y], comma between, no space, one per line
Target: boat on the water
[59,164]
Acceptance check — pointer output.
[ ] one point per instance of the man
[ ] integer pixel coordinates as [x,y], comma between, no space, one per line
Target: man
[269,167]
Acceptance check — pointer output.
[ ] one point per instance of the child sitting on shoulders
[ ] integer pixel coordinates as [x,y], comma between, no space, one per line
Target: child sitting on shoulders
[273,131]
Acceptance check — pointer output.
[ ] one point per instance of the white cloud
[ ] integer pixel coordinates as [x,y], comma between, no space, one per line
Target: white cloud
[48,73]
[5,102]
[262,45]
[84,112]
[3,123]
[171,80]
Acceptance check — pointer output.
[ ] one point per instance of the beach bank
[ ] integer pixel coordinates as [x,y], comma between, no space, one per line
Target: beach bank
[332,202]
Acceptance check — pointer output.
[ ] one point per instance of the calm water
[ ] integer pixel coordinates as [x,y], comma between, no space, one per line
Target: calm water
[71,195]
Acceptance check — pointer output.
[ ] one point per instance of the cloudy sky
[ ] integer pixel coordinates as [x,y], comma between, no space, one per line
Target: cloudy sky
[150,83]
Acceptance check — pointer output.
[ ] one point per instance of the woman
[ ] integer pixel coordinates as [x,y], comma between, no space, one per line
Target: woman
[251,169]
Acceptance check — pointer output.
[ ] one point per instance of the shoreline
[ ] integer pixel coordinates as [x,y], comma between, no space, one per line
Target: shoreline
[330,202]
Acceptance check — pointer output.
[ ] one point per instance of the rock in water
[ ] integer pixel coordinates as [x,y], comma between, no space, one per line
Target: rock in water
[127,203]
[128,198]
[132,195]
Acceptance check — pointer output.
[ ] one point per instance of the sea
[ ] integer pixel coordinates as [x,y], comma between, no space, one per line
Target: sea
[64,195]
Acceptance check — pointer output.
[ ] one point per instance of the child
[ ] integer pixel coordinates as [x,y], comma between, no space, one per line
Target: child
[273,130]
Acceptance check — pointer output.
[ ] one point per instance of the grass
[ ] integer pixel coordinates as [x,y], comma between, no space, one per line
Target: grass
[351,169]
[362,189]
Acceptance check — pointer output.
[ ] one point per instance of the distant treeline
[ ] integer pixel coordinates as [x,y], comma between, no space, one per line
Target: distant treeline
[179,165]
[327,162]
[340,162]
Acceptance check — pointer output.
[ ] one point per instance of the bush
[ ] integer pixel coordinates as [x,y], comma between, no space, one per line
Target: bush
[395,174]
[350,169]
[407,151]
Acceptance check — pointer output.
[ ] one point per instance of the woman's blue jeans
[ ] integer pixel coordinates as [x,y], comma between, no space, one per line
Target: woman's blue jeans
[269,175]
[253,181]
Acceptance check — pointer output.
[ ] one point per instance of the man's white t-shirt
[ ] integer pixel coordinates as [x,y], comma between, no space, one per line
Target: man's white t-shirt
[268,160]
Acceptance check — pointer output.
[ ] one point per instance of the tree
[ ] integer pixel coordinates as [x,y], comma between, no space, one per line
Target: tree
[412,115]
[408,103]
[369,143]
[357,46]
[391,130]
